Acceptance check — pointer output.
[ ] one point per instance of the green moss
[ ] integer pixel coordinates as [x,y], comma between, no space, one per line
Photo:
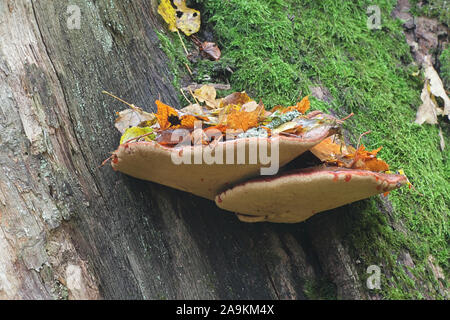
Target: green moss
[280,48]
[444,59]
[172,47]
[320,290]
[434,8]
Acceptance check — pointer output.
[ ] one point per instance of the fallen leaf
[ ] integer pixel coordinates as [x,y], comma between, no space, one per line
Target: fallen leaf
[285,127]
[436,85]
[301,106]
[210,50]
[236,98]
[331,148]
[182,18]
[169,14]
[242,120]
[187,19]
[194,109]
[133,118]
[135,132]
[335,152]
[207,94]
[367,160]
[168,118]
[250,106]
[429,110]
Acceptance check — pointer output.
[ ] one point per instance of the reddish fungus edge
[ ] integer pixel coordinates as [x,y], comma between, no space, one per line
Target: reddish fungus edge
[336,171]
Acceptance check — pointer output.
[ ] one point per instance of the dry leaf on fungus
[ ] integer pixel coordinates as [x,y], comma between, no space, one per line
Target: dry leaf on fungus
[168,118]
[133,118]
[242,120]
[206,94]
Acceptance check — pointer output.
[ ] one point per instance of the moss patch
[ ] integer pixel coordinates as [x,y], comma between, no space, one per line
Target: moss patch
[279,49]
[444,60]
[434,8]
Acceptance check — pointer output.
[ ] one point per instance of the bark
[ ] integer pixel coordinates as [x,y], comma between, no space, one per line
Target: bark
[71,229]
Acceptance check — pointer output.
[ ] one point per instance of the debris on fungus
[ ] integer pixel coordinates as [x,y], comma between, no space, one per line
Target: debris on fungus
[213,149]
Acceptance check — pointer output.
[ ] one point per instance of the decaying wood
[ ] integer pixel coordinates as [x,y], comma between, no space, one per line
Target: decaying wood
[71,229]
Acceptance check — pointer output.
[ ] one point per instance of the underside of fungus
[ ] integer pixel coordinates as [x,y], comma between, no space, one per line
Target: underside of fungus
[246,172]
[295,196]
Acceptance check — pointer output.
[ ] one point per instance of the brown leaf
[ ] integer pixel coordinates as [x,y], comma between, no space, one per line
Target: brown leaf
[236,98]
[210,50]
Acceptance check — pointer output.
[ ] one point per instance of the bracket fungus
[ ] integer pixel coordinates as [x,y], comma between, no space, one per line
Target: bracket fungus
[220,150]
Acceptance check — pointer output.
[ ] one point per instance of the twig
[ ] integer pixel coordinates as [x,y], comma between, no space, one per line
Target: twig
[217,86]
[192,94]
[106,161]
[182,43]
[347,117]
[132,106]
[182,92]
[187,67]
[139,137]
[359,140]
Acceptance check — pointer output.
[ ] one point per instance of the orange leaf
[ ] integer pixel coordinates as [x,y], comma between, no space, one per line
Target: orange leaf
[328,149]
[301,106]
[367,160]
[342,155]
[375,165]
[168,118]
[242,120]
[187,121]
[166,115]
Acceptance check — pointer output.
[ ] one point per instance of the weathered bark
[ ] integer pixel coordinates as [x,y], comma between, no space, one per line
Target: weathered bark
[70,228]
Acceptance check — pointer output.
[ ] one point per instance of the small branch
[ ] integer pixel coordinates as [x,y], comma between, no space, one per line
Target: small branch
[132,106]
[192,94]
[189,69]
[182,43]
[359,140]
[347,117]
[182,92]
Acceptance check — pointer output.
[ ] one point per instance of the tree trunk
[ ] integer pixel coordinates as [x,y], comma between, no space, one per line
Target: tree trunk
[71,229]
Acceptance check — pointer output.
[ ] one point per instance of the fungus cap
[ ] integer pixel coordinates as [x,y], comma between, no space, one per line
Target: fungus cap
[296,196]
[154,162]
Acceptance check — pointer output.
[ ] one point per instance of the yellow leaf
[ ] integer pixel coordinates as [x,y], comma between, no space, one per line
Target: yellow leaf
[168,13]
[182,18]
[284,127]
[135,132]
[207,94]
[187,19]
